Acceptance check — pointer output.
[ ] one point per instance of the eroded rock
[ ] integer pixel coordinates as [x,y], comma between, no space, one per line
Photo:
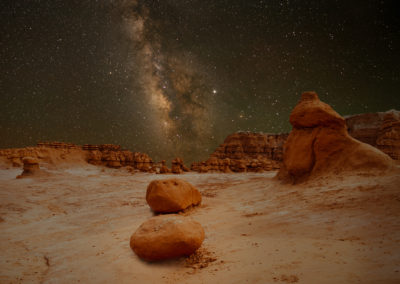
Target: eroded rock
[245,151]
[320,145]
[167,236]
[171,195]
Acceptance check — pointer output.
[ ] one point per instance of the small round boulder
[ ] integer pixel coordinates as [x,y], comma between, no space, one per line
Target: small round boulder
[167,236]
[171,195]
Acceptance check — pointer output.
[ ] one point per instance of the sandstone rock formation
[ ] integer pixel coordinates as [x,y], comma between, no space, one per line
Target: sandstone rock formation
[54,153]
[178,167]
[31,166]
[171,195]
[389,135]
[163,168]
[245,151]
[167,236]
[47,155]
[320,145]
[381,130]
[114,157]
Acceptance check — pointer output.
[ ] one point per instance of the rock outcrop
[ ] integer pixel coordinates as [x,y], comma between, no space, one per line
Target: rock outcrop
[167,236]
[381,130]
[178,166]
[319,144]
[31,166]
[171,195]
[54,153]
[163,168]
[46,155]
[58,145]
[245,151]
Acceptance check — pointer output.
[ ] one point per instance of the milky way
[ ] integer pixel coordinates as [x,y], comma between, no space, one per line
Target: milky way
[180,102]
[173,78]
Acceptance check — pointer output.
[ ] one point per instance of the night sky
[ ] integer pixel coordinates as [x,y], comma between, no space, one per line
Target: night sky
[174,78]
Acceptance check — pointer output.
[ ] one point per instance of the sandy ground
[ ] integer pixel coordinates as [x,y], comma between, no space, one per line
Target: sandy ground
[74,226]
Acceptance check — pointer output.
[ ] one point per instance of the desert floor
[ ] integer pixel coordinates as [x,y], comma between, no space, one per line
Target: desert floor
[74,226]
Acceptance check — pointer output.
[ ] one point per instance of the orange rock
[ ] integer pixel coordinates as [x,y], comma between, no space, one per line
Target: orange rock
[242,148]
[203,168]
[178,167]
[58,145]
[311,112]
[16,162]
[130,169]
[388,140]
[167,236]
[195,166]
[164,169]
[320,145]
[142,162]
[31,166]
[94,157]
[171,195]
[381,130]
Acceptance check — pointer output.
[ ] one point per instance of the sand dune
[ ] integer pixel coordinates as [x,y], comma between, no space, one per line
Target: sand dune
[74,226]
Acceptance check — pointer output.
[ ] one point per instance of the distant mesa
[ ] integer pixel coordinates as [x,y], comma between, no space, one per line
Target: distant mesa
[245,152]
[57,153]
[58,145]
[381,130]
[113,156]
[171,195]
[319,144]
[102,147]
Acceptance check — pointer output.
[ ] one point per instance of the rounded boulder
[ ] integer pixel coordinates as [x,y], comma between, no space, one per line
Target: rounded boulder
[167,236]
[171,195]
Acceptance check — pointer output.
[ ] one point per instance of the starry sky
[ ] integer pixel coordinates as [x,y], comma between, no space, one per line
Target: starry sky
[175,77]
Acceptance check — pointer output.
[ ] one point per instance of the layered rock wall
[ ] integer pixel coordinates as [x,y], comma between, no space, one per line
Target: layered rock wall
[381,130]
[245,151]
[58,152]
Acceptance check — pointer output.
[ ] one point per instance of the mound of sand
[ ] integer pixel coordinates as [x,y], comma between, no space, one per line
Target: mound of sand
[319,144]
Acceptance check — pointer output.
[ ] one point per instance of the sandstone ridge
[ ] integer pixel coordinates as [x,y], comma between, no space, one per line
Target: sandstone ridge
[58,153]
[381,130]
[245,152]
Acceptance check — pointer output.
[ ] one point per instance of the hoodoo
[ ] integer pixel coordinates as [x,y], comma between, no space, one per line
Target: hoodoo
[319,144]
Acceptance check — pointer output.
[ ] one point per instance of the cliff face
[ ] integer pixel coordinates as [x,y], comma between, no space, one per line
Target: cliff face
[247,145]
[381,130]
[245,151]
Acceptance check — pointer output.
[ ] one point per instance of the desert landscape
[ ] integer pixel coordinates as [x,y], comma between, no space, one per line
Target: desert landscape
[199,141]
[334,222]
